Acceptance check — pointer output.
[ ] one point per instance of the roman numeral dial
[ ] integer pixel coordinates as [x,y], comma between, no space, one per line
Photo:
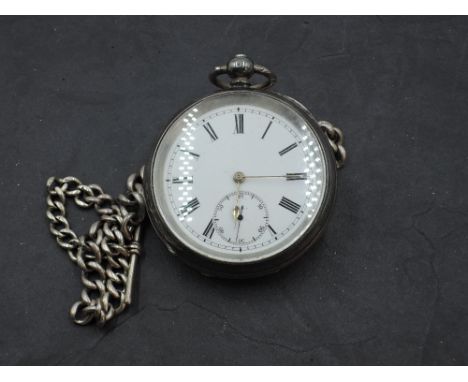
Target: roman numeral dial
[182,180]
[239,124]
[288,149]
[189,207]
[209,230]
[209,129]
[266,130]
[289,205]
[184,150]
[239,182]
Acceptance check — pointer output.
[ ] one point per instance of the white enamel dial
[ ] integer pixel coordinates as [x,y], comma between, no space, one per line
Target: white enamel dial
[281,188]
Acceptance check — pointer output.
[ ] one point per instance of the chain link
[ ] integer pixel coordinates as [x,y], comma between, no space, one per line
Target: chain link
[335,138]
[107,254]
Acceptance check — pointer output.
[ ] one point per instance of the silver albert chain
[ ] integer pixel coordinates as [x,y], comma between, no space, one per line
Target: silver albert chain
[107,254]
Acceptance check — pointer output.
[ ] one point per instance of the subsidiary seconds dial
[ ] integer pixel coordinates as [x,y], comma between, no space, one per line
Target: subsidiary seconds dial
[241,218]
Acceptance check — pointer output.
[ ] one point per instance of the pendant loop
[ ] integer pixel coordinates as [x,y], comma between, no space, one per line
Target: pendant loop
[240,69]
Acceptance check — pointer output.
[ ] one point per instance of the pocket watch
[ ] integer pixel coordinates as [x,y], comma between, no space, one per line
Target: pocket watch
[240,184]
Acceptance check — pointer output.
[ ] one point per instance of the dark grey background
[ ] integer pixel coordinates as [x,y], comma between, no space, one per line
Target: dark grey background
[388,282]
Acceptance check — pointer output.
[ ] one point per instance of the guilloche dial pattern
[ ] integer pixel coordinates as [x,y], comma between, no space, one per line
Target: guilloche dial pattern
[281,178]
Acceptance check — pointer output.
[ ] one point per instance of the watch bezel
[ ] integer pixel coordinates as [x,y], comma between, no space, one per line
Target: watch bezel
[219,268]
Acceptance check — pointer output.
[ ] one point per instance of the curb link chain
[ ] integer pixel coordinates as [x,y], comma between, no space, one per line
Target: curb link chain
[107,254]
[335,138]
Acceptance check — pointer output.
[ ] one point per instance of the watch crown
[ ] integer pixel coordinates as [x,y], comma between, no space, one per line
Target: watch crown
[240,68]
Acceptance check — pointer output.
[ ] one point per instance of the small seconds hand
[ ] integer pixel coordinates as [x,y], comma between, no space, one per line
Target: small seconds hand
[238,221]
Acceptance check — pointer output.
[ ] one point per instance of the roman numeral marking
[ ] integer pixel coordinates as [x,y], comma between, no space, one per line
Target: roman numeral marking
[239,124]
[271,229]
[209,230]
[296,176]
[189,207]
[210,131]
[289,205]
[188,152]
[288,149]
[182,179]
[266,130]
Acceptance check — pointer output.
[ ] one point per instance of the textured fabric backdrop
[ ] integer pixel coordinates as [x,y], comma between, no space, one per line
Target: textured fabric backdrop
[387,284]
